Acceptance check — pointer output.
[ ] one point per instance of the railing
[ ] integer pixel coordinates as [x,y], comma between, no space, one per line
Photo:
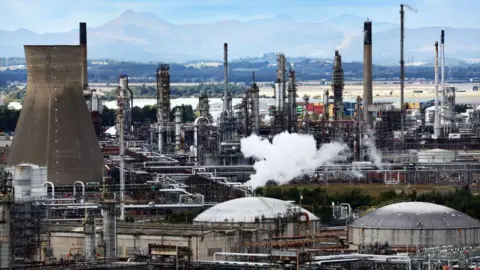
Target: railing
[362,211]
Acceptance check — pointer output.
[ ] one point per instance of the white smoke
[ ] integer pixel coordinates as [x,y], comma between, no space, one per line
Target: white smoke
[375,156]
[288,156]
[346,41]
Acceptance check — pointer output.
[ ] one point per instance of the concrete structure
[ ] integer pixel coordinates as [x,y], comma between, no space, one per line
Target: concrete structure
[226,227]
[55,129]
[415,224]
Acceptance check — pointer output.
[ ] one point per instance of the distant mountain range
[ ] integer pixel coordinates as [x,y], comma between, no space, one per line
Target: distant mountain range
[135,36]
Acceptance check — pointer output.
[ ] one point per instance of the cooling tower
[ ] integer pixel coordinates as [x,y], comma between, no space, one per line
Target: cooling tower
[54,128]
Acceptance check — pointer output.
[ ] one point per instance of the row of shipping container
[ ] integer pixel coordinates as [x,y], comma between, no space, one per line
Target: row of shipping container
[319,108]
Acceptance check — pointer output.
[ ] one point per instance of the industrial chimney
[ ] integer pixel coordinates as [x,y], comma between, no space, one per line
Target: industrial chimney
[442,80]
[437,111]
[55,128]
[367,73]
[83,44]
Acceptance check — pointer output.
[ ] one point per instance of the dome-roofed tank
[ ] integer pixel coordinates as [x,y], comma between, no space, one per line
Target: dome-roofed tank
[415,224]
[282,218]
[249,208]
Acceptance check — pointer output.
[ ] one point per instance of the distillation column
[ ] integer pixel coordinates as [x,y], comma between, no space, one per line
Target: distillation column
[122,92]
[246,115]
[90,239]
[337,87]
[279,116]
[227,109]
[163,102]
[292,103]
[305,112]
[326,105]
[367,74]
[255,98]
[178,129]
[203,105]
[109,229]
[6,202]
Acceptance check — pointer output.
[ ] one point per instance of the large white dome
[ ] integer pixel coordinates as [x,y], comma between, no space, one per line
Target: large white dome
[247,209]
[416,215]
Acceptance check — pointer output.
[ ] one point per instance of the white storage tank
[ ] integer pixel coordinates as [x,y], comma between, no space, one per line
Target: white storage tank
[415,224]
[29,181]
[435,156]
[430,115]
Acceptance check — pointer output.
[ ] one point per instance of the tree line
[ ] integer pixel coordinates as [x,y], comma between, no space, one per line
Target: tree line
[241,71]
[145,115]
[214,90]
[319,200]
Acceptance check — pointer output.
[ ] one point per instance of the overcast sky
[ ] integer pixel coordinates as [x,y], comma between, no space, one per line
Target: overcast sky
[63,15]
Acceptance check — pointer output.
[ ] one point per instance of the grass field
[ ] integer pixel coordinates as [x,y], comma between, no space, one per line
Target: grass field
[375,189]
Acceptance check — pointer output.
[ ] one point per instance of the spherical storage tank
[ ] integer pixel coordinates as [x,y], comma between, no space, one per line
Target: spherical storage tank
[263,213]
[415,224]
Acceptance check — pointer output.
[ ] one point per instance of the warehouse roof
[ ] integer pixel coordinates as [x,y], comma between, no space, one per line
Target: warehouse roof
[248,209]
[416,215]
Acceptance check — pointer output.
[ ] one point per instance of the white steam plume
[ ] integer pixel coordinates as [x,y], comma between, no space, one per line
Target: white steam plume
[375,156]
[288,156]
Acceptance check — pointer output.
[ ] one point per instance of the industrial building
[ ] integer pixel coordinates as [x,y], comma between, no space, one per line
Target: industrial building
[73,196]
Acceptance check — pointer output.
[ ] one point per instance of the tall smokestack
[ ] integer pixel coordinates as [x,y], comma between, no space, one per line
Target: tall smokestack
[83,43]
[226,96]
[367,73]
[437,111]
[402,71]
[442,65]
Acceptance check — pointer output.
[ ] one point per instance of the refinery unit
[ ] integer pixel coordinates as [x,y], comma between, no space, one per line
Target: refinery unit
[73,197]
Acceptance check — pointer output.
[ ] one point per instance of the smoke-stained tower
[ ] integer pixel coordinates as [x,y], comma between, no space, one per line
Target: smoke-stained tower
[163,102]
[55,129]
[83,44]
[367,73]
[337,87]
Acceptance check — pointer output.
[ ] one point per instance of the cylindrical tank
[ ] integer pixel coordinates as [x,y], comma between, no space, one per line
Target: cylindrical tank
[435,156]
[90,239]
[415,224]
[110,231]
[39,178]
